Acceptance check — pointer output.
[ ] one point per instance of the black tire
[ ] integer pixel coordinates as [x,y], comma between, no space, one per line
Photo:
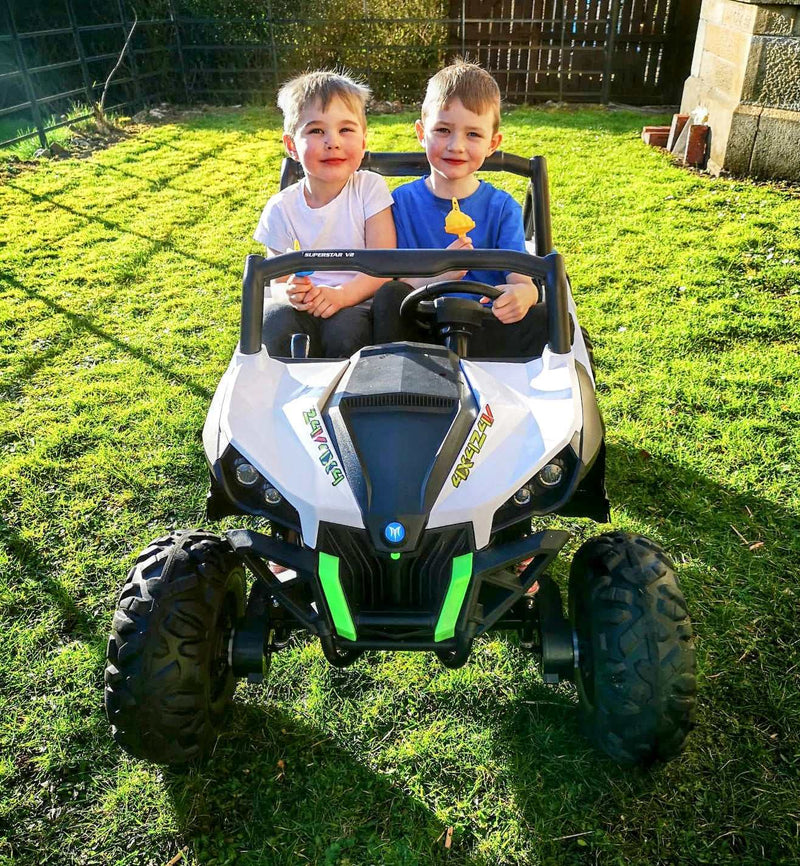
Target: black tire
[636,673]
[167,679]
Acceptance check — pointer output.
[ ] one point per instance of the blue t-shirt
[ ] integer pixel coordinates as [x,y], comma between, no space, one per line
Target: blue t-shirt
[419,217]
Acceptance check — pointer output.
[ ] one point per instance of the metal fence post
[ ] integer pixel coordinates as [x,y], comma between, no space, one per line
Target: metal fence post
[26,76]
[463,27]
[76,35]
[179,45]
[272,47]
[131,53]
[611,37]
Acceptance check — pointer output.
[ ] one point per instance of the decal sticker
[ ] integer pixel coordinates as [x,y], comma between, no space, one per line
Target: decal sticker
[326,458]
[474,445]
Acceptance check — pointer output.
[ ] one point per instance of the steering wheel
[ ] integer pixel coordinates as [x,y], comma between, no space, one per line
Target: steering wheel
[420,304]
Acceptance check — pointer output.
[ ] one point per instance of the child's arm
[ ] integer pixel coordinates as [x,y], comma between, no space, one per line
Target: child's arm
[519,295]
[324,301]
[464,243]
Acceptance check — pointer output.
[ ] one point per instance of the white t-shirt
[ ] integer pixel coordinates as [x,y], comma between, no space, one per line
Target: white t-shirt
[338,225]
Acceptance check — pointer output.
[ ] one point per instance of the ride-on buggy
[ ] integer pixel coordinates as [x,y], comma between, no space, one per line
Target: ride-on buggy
[400,487]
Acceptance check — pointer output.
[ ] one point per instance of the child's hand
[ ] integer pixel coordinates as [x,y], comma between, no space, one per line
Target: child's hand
[299,291]
[514,303]
[326,301]
[464,243]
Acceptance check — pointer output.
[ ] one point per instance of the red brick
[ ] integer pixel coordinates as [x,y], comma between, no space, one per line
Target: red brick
[696,146]
[656,137]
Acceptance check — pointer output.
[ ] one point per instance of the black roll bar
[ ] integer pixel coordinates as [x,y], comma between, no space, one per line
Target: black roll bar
[393,264]
[535,212]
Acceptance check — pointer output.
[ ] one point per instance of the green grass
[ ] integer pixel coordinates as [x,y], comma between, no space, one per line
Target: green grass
[10,128]
[120,280]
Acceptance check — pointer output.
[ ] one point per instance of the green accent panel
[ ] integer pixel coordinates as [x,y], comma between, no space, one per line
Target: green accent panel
[395,555]
[453,601]
[334,595]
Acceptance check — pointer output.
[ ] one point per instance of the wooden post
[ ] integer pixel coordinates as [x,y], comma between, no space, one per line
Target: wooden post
[26,76]
[611,37]
[76,36]
[179,46]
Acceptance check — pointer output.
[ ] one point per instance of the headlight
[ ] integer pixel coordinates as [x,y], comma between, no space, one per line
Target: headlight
[523,496]
[543,493]
[246,474]
[271,495]
[551,475]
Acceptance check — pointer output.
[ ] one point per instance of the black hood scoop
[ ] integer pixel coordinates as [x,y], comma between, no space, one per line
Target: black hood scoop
[399,421]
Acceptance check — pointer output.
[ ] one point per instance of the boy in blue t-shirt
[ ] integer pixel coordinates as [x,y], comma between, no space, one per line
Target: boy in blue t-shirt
[459,129]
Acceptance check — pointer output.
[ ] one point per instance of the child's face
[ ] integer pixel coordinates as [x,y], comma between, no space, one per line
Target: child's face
[456,140]
[329,144]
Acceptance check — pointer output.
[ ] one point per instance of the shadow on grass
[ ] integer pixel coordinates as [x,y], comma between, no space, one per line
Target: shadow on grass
[280,791]
[284,789]
[165,243]
[82,323]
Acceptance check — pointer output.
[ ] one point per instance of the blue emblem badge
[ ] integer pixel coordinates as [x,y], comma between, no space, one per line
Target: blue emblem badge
[394,532]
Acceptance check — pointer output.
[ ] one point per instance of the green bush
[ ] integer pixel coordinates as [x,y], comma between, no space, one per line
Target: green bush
[395,55]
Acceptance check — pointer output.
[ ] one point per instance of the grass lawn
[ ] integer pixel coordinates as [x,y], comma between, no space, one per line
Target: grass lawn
[120,282]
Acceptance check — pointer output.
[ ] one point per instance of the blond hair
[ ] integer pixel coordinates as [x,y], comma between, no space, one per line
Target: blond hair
[466,81]
[321,86]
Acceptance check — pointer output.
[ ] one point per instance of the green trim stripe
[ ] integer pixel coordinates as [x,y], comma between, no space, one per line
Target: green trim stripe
[334,595]
[454,600]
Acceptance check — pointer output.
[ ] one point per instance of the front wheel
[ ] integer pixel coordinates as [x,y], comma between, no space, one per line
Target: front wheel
[167,679]
[636,665]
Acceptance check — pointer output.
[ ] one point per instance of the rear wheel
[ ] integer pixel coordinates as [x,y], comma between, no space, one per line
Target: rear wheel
[636,673]
[168,680]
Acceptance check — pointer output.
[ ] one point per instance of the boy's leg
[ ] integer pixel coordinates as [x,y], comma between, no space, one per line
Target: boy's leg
[280,322]
[345,332]
[524,339]
[386,323]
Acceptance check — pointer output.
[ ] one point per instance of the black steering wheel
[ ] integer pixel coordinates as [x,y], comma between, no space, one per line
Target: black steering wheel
[420,303]
[457,318]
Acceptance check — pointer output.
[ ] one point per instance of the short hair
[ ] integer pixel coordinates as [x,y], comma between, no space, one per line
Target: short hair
[321,86]
[466,81]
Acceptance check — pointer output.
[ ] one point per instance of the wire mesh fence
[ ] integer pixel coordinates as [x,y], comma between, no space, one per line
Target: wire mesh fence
[56,53]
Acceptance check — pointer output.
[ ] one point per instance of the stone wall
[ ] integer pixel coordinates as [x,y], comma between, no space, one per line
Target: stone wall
[746,72]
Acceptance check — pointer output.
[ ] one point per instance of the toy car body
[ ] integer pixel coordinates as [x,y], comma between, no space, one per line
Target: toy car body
[400,485]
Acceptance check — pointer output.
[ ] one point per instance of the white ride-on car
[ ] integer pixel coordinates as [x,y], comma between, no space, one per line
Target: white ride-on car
[402,487]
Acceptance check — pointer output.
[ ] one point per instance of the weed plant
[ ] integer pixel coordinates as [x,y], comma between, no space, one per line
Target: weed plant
[119,305]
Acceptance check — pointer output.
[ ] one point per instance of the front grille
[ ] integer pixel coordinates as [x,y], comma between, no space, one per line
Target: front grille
[399,401]
[415,583]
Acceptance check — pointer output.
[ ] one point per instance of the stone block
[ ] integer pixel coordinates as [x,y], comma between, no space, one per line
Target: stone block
[773,73]
[698,47]
[775,20]
[713,10]
[741,139]
[721,74]
[776,152]
[726,43]
[739,16]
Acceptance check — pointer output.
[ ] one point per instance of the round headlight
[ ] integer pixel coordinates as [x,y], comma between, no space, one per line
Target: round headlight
[271,495]
[247,475]
[522,496]
[552,474]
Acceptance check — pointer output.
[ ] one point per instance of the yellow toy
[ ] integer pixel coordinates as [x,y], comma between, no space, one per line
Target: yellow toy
[457,222]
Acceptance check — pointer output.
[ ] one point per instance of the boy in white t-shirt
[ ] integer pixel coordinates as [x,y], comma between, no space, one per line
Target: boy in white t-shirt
[335,206]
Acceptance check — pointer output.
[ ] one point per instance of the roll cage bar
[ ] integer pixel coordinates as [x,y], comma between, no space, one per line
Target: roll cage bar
[547,266]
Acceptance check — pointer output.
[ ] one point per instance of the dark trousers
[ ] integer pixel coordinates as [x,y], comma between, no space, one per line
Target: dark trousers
[524,339]
[344,333]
